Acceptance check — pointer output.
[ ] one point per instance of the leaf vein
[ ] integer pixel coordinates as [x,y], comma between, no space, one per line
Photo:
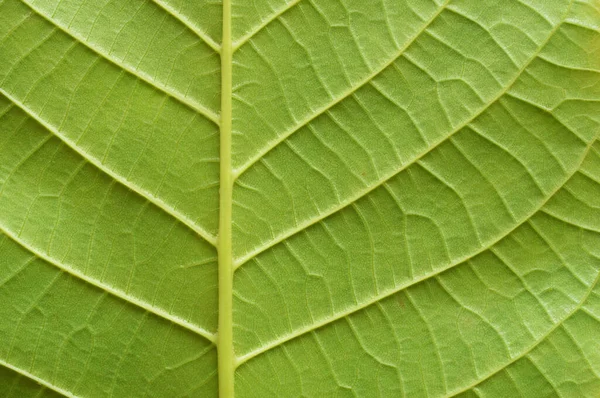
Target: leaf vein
[351,310]
[254,30]
[159,312]
[169,91]
[240,170]
[535,344]
[286,234]
[37,379]
[188,24]
[182,218]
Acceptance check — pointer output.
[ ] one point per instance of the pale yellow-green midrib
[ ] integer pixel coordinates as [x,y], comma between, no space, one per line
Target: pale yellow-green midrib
[225,327]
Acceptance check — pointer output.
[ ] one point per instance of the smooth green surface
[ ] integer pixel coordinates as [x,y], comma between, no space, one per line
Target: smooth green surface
[369,198]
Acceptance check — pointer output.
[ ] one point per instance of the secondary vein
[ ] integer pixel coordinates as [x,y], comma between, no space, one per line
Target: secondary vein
[383,295]
[149,307]
[534,345]
[238,262]
[349,92]
[254,30]
[188,24]
[37,379]
[191,103]
[149,196]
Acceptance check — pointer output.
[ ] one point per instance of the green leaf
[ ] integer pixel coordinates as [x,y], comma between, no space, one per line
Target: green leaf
[316,198]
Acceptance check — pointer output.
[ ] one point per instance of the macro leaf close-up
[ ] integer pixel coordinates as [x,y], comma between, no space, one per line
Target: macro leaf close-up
[299,198]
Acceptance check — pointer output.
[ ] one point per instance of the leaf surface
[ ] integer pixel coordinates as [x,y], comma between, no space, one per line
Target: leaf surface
[307,198]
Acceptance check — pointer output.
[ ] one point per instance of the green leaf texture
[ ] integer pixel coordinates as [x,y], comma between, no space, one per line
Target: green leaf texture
[299,198]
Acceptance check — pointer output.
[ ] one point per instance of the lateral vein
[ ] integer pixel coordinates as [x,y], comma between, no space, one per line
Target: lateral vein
[535,344]
[182,218]
[169,91]
[254,30]
[161,313]
[272,145]
[37,379]
[188,24]
[285,235]
[351,310]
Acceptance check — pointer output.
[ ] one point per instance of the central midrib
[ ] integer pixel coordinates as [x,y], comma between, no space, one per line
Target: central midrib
[225,352]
